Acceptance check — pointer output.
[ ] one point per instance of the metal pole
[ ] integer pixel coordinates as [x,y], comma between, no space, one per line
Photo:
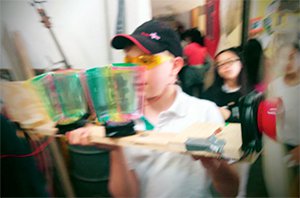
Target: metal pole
[245,20]
[59,49]
[47,24]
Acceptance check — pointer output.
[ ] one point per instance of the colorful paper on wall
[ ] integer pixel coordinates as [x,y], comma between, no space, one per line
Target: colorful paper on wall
[256,25]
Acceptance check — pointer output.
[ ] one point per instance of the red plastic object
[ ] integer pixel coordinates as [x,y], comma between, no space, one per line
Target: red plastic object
[267,114]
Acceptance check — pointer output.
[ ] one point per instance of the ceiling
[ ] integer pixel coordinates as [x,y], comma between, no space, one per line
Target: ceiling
[173,7]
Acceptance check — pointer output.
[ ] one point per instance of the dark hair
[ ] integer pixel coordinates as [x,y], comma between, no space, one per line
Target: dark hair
[180,29]
[296,46]
[242,78]
[253,56]
[195,36]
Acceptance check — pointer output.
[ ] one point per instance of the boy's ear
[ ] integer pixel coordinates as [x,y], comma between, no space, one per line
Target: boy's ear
[178,64]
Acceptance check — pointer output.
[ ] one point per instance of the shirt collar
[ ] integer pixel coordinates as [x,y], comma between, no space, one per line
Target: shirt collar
[177,108]
[228,90]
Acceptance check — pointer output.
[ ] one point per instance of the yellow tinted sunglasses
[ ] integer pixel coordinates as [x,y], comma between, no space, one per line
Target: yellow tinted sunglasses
[150,61]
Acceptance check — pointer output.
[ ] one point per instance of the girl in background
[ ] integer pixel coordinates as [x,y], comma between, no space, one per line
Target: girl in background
[230,83]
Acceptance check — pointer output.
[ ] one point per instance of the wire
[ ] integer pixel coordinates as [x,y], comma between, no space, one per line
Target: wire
[35,152]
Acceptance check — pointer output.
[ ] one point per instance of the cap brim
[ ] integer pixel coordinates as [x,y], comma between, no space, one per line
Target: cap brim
[121,41]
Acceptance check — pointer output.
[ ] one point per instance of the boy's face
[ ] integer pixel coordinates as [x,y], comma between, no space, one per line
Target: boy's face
[159,75]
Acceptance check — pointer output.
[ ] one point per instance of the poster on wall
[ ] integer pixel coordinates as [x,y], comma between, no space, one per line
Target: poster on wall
[274,23]
[223,25]
[255,25]
[230,24]
[272,7]
[212,26]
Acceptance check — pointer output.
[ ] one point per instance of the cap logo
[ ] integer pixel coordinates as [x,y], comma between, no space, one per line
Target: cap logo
[152,35]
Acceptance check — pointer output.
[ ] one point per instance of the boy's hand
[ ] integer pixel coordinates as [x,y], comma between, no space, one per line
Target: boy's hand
[224,178]
[293,158]
[296,155]
[225,112]
[81,136]
[209,163]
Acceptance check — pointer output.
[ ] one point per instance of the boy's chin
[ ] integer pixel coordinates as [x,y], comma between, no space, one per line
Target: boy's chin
[151,97]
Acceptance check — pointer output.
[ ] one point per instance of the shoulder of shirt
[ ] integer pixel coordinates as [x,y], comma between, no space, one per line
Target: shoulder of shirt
[197,101]
[276,83]
[278,80]
[195,106]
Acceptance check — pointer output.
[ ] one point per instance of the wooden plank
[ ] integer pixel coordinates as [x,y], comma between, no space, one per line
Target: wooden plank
[25,65]
[9,48]
[175,142]
[62,170]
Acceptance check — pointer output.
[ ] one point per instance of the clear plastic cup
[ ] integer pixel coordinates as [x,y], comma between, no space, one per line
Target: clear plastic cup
[99,91]
[70,95]
[128,85]
[116,91]
[44,87]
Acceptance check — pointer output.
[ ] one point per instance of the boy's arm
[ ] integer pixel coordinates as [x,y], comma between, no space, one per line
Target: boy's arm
[224,178]
[122,182]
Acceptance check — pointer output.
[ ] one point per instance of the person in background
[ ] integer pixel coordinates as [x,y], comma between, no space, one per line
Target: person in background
[136,172]
[230,83]
[20,176]
[285,163]
[197,63]
[180,29]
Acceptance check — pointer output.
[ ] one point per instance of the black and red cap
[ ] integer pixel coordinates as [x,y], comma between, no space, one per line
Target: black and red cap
[151,37]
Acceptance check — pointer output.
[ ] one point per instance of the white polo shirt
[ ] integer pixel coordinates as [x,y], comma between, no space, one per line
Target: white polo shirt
[170,175]
[290,133]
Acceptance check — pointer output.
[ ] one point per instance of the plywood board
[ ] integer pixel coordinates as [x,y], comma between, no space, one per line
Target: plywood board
[171,142]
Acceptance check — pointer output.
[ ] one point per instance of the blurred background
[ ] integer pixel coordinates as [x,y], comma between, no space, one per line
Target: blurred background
[79,32]
[39,36]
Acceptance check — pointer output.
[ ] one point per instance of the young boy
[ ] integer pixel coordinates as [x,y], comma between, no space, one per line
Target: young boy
[148,173]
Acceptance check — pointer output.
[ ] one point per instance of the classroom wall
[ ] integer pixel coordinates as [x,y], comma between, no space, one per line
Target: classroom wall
[231,24]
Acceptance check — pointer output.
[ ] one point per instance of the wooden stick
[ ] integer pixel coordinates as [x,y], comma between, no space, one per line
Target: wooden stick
[25,65]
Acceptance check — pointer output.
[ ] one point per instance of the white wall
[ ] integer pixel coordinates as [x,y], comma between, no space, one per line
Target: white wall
[83,28]
[136,13]
[185,19]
